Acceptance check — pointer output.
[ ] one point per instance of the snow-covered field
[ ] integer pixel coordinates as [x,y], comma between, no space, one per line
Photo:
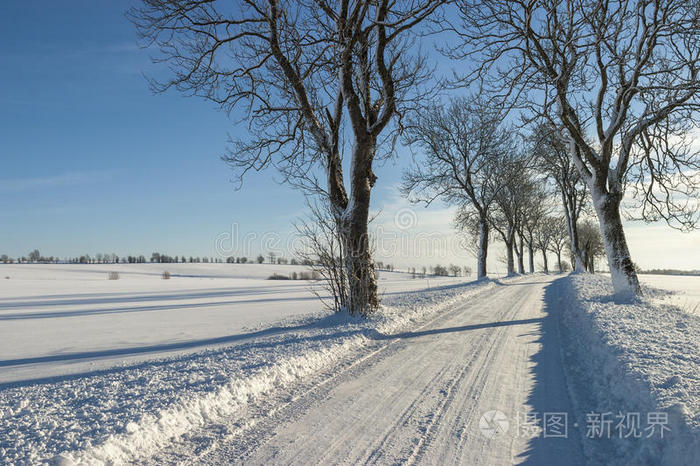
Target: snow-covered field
[685,290]
[69,319]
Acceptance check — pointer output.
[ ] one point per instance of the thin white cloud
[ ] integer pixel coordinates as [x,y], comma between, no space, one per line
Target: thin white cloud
[16,185]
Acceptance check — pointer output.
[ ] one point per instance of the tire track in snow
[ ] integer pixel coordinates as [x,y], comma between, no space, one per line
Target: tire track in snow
[475,383]
[368,410]
[260,420]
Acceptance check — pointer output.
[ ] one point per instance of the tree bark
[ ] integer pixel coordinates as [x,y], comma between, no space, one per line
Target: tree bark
[561,269]
[509,256]
[531,257]
[545,264]
[521,256]
[578,264]
[362,280]
[624,278]
[483,246]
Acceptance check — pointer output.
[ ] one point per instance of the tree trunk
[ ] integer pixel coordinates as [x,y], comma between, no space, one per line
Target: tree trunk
[545,264]
[509,256]
[577,262]
[624,278]
[483,247]
[531,257]
[521,257]
[561,269]
[362,280]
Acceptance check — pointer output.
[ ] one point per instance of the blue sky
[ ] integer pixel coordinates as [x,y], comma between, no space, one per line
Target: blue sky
[91,161]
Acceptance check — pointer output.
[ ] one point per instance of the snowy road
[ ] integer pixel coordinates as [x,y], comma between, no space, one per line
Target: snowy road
[418,397]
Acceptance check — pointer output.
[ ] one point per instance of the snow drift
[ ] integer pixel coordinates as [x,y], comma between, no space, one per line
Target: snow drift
[637,357]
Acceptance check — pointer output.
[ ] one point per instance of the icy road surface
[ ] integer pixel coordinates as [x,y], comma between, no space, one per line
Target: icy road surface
[418,396]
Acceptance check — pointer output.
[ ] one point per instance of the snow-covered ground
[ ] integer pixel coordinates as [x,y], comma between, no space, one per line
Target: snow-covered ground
[220,366]
[685,290]
[637,359]
[125,413]
[69,319]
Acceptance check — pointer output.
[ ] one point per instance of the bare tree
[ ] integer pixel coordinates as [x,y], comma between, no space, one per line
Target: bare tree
[591,244]
[462,145]
[34,256]
[510,203]
[560,238]
[535,208]
[622,79]
[296,68]
[322,246]
[543,238]
[552,159]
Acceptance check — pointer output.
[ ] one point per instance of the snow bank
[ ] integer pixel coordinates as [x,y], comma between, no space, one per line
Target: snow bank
[126,414]
[640,357]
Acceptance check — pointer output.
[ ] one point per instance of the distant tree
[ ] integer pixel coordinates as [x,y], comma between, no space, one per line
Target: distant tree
[543,238]
[552,158]
[34,256]
[510,204]
[462,145]
[4,258]
[260,259]
[455,270]
[560,238]
[244,260]
[535,209]
[591,243]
